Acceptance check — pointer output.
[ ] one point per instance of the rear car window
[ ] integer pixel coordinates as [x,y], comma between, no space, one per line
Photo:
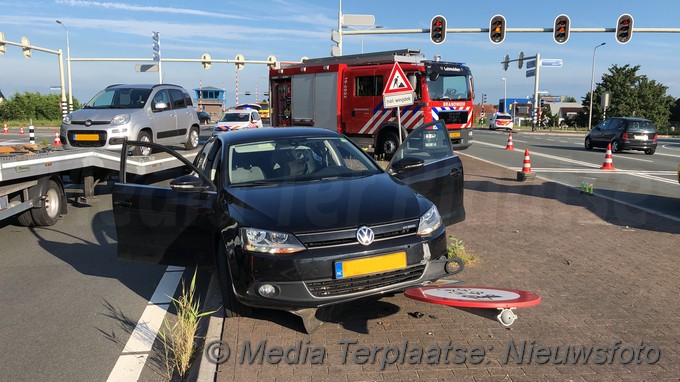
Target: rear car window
[640,126]
[508,117]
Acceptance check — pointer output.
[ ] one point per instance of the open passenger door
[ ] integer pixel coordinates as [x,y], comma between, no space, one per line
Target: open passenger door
[426,162]
[166,224]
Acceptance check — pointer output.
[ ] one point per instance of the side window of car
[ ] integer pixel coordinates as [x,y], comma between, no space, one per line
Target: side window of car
[604,124]
[187,99]
[255,116]
[160,97]
[177,99]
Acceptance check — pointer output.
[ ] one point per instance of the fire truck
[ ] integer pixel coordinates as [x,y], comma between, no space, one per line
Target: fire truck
[346,93]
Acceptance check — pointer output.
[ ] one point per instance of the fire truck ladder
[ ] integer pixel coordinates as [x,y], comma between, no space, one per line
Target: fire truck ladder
[403,55]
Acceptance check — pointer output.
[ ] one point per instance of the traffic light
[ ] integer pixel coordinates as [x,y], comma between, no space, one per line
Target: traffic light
[483,99]
[497,29]
[624,28]
[206,61]
[2,44]
[561,29]
[156,46]
[26,44]
[438,29]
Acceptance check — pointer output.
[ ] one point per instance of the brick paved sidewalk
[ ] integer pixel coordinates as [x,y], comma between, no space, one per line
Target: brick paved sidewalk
[605,272]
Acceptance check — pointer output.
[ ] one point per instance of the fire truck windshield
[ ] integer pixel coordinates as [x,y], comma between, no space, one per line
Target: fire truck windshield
[448,87]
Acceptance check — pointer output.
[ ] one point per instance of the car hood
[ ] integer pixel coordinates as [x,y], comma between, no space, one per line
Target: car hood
[326,205]
[227,126]
[101,114]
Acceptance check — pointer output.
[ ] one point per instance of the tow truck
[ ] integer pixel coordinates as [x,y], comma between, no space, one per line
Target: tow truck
[33,179]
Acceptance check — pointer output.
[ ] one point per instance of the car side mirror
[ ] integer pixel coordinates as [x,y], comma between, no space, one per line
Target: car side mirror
[434,76]
[406,164]
[160,106]
[188,183]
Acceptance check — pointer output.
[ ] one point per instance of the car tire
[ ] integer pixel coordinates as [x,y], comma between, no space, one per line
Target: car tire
[615,147]
[142,150]
[588,144]
[389,144]
[650,151]
[232,307]
[50,211]
[192,138]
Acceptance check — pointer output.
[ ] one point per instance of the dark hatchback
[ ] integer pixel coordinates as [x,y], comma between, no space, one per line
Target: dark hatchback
[624,134]
[300,218]
[203,117]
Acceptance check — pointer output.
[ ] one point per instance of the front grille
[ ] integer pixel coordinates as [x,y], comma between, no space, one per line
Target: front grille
[348,236]
[453,117]
[91,123]
[344,286]
[98,143]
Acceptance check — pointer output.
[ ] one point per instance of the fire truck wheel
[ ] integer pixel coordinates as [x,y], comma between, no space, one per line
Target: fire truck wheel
[389,144]
[25,219]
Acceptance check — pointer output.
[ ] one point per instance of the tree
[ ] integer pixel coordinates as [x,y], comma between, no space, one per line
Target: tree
[632,95]
[34,106]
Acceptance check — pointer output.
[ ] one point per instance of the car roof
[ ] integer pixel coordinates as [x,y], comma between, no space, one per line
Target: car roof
[142,86]
[632,119]
[253,135]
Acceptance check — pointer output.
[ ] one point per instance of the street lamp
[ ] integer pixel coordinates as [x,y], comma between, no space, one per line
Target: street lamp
[366,29]
[68,68]
[592,85]
[505,95]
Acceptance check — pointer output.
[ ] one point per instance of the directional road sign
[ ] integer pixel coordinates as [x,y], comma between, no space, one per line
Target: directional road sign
[531,64]
[531,72]
[551,62]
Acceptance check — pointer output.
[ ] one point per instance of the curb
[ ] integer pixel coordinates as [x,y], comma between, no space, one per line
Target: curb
[207,371]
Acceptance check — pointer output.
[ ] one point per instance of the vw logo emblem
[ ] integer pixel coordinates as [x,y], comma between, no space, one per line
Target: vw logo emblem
[88,123]
[365,235]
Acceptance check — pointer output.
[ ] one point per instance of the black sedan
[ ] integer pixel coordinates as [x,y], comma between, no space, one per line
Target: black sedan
[300,218]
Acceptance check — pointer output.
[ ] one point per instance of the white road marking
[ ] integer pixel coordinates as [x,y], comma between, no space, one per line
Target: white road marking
[136,351]
[631,158]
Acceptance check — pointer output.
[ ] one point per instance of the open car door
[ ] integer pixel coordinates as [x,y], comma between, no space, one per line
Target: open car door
[165,224]
[426,162]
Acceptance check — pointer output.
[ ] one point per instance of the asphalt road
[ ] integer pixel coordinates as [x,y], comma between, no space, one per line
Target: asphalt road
[646,181]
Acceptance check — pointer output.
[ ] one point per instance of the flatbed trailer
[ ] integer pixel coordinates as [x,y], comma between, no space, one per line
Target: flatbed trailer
[32,183]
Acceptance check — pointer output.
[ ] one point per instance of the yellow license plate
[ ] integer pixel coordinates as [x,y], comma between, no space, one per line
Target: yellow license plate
[454,135]
[369,265]
[86,137]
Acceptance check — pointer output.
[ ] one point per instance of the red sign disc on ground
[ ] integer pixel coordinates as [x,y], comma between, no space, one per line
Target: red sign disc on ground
[474,297]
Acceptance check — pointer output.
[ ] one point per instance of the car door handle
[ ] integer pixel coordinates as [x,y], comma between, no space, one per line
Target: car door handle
[122,204]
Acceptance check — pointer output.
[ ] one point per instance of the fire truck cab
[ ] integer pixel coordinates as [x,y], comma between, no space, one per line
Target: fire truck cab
[346,94]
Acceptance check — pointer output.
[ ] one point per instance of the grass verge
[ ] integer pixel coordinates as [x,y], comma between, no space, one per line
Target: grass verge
[457,249]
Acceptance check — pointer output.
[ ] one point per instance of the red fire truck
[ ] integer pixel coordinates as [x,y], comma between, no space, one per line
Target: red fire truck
[346,93]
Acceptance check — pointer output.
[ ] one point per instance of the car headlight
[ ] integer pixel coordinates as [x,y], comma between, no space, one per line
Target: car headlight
[120,119]
[275,243]
[429,222]
[67,119]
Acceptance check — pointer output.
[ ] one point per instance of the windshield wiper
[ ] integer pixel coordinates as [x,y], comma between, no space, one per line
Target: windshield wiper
[252,184]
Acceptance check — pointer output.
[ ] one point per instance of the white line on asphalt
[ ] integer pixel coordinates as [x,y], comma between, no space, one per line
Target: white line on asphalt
[136,351]
[586,164]
[631,158]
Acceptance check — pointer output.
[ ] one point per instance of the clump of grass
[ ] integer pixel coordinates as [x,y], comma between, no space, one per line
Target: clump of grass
[457,249]
[179,338]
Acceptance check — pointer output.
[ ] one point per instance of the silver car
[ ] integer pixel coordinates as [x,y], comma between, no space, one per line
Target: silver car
[151,113]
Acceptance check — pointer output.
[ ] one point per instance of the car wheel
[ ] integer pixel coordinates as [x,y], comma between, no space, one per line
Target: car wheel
[650,151]
[232,307]
[389,144]
[192,139]
[588,144]
[142,150]
[615,147]
[49,213]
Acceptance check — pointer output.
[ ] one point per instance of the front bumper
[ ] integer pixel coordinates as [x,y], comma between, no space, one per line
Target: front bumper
[309,281]
[460,138]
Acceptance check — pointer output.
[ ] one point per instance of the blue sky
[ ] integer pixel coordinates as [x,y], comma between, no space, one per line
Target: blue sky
[291,29]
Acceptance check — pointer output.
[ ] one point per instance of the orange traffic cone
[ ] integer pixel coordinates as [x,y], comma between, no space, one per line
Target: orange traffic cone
[5,130]
[509,146]
[608,163]
[526,168]
[21,131]
[57,140]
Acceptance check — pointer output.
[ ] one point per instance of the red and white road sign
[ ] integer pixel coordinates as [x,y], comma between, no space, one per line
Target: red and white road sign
[473,297]
[397,82]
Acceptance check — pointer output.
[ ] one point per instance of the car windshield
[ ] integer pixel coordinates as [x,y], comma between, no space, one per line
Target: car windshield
[119,98]
[300,159]
[235,117]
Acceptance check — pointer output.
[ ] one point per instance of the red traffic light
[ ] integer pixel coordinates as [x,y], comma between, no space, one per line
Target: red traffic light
[497,29]
[624,28]
[438,29]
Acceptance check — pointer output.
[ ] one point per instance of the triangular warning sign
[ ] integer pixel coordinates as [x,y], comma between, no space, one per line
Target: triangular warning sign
[397,81]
